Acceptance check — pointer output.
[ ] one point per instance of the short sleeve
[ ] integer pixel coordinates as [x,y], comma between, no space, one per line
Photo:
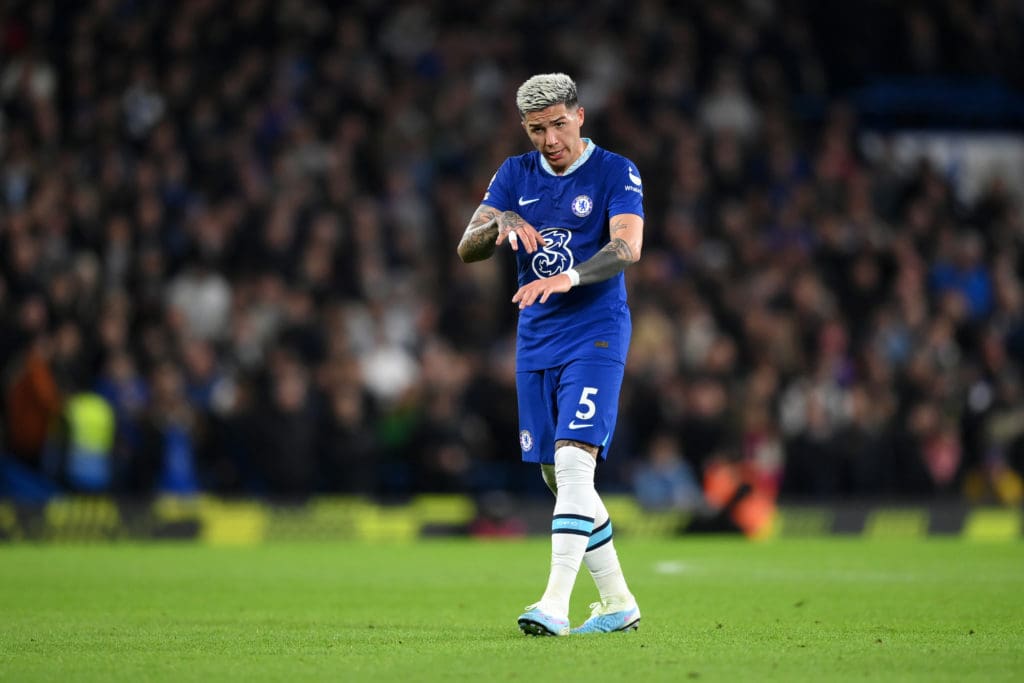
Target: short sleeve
[499,192]
[626,189]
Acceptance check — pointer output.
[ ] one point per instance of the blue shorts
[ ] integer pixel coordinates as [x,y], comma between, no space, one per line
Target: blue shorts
[578,401]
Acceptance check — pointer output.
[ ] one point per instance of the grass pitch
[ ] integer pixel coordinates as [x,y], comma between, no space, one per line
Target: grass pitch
[832,609]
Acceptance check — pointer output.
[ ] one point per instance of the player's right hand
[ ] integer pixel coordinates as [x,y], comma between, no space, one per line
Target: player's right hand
[519,232]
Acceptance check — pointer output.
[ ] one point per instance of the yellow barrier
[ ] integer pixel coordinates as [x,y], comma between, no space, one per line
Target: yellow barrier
[220,521]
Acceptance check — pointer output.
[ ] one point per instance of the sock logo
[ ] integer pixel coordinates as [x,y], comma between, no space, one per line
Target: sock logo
[572,524]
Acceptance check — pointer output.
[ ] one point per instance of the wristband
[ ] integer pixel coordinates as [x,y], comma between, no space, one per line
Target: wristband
[574,277]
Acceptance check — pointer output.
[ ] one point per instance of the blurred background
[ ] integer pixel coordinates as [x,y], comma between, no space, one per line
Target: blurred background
[228,229]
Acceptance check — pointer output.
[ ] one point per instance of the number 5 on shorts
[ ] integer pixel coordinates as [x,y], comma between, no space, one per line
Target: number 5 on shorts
[588,408]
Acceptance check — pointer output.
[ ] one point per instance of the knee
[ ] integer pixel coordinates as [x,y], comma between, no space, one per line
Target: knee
[574,465]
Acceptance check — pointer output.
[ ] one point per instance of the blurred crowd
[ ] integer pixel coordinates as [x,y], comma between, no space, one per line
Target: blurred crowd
[228,229]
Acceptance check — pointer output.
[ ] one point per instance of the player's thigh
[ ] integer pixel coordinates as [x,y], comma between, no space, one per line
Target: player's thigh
[588,401]
[535,393]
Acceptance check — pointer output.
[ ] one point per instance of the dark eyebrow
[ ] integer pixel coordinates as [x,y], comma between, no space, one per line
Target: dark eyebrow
[541,125]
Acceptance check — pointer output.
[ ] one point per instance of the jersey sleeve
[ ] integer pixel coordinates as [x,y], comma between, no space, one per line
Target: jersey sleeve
[499,192]
[626,188]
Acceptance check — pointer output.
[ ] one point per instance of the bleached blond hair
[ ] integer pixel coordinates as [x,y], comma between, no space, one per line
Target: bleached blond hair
[545,90]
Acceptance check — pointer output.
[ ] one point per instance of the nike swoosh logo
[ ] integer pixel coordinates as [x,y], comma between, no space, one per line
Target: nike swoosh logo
[524,202]
[581,425]
[635,178]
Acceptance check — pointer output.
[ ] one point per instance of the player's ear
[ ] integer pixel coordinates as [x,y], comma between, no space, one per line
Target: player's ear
[579,115]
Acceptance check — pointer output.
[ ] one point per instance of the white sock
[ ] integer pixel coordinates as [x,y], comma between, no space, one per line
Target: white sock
[603,562]
[600,558]
[571,525]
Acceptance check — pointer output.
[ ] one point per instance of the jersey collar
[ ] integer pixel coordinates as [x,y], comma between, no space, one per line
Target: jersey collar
[588,150]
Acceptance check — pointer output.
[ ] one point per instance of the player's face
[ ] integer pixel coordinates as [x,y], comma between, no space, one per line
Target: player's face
[555,132]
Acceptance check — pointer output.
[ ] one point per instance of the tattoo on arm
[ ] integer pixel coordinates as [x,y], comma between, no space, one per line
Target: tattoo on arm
[617,228]
[510,220]
[477,242]
[610,261]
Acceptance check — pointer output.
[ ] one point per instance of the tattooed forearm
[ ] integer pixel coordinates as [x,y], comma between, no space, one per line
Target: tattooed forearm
[477,242]
[610,261]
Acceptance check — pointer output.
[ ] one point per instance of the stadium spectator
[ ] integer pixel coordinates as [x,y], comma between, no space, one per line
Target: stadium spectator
[33,402]
[665,480]
[172,197]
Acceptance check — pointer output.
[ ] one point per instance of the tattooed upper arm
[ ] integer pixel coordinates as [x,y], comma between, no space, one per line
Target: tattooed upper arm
[628,227]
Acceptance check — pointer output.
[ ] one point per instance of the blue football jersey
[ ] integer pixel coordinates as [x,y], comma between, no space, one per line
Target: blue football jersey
[571,211]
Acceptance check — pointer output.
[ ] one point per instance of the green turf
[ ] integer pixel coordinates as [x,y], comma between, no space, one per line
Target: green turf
[714,610]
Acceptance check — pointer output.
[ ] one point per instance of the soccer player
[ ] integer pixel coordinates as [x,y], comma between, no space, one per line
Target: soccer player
[573,215]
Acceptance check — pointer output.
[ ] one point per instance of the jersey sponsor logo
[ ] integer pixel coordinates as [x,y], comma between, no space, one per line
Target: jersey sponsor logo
[634,178]
[582,206]
[524,202]
[573,424]
[555,256]
[630,188]
[526,440]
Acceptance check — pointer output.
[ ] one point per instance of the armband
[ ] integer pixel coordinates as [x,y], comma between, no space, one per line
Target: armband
[574,277]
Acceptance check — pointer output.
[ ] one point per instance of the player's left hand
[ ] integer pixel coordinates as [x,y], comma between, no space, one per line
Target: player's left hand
[540,290]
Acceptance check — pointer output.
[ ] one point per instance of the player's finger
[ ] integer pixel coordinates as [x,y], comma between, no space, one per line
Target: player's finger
[544,296]
[513,240]
[530,241]
[535,241]
[538,239]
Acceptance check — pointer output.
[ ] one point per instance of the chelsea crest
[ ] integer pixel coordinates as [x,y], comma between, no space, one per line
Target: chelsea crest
[525,440]
[582,205]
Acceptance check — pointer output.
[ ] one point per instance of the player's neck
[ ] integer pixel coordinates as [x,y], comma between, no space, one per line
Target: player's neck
[581,154]
[581,147]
